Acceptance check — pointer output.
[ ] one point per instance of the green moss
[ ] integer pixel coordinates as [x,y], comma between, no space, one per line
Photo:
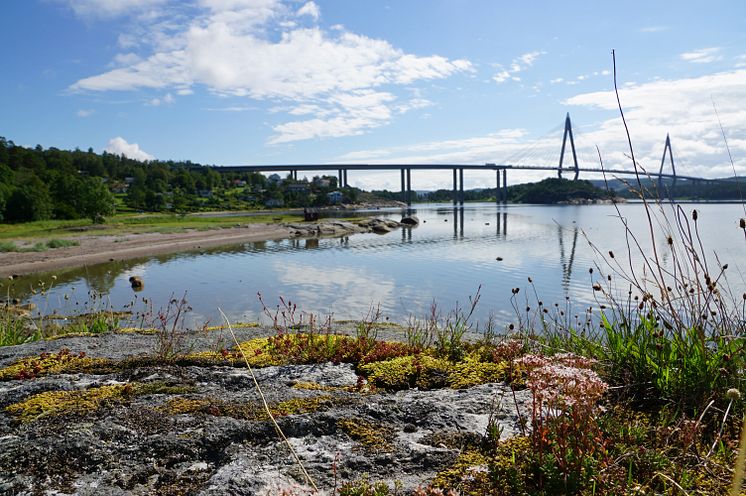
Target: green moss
[244,411]
[136,330]
[83,402]
[373,437]
[314,386]
[427,372]
[471,372]
[62,362]
[258,353]
[237,325]
[468,473]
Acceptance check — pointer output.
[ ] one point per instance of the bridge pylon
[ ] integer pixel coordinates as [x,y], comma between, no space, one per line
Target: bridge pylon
[568,132]
[667,149]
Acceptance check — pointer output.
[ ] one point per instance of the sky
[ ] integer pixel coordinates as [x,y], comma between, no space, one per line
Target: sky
[242,82]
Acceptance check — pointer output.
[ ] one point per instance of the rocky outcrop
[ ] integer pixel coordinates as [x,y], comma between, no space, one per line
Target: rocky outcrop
[411,220]
[333,227]
[168,427]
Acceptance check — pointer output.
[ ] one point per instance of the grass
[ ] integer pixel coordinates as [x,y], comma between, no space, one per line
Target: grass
[9,246]
[125,223]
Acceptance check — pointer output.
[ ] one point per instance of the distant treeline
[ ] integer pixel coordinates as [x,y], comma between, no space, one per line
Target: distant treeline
[40,184]
[551,190]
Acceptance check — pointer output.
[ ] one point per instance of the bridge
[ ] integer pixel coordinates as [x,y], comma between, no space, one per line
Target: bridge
[501,170]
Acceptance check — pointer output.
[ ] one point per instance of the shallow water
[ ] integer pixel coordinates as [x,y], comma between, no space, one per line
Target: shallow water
[452,253]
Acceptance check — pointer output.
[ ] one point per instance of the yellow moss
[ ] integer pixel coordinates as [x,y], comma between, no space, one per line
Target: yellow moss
[65,402]
[136,330]
[298,406]
[237,325]
[314,386]
[468,465]
[247,411]
[258,353]
[472,372]
[391,374]
[211,358]
[81,402]
[62,362]
[428,372]
[373,437]
[181,405]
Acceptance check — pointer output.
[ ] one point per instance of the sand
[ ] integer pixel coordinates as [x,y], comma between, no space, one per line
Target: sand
[97,249]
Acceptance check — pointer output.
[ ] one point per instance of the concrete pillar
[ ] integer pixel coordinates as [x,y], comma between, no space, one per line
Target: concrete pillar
[455,187]
[505,186]
[345,178]
[409,186]
[498,189]
[340,183]
[403,186]
[461,186]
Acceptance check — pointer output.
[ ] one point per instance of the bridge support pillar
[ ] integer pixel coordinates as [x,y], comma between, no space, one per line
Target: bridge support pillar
[403,185]
[340,181]
[455,187]
[409,187]
[294,175]
[344,173]
[505,186]
[498,189]
[461,186]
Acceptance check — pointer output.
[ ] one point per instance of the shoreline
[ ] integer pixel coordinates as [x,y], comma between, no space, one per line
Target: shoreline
[99,249]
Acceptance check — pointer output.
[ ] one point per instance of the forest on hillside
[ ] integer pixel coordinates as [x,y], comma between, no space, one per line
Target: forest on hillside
[41,184]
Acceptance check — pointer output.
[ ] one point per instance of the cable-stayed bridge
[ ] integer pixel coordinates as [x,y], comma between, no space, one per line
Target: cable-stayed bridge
[501,170]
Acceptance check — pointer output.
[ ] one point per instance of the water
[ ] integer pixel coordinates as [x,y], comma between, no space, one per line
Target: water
[452,253]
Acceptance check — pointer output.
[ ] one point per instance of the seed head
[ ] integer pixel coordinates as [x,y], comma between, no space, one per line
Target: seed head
[694,215]
[743,223]
[611,254]
[733,394]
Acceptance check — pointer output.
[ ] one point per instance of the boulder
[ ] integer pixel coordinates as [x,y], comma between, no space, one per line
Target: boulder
[411,220]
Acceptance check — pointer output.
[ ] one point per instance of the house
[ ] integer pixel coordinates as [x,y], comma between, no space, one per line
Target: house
[322,182]
[274,202]
[275,179]
[334,197]
[239,183]
[298,187]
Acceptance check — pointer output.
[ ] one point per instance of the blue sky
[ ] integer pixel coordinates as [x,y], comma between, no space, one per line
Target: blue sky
[272,81]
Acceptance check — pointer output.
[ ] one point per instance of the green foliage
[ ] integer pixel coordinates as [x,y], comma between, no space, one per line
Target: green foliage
[555,190]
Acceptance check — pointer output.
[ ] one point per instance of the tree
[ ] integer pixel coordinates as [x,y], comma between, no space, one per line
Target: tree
[95,200]
[29,202]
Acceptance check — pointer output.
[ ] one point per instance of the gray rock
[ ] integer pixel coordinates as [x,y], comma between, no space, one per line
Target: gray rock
[137,447]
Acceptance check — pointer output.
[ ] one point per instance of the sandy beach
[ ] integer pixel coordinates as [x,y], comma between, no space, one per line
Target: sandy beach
[97,249]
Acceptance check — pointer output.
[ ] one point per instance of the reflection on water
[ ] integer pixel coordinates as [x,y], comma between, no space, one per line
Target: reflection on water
[447,257]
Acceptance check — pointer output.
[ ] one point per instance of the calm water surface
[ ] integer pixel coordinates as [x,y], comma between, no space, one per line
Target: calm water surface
[446,258]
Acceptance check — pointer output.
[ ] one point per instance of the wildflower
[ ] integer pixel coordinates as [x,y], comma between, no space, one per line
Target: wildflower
[733,394]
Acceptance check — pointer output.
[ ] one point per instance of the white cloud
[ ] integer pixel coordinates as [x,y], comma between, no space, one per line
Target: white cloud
[109,8]
[680,107]
[119,146]
[85,112]
[338,74]
[230,109]
[519,64]
[654,29]
[683,108]
[702,56]
[310,9]
[168,99]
